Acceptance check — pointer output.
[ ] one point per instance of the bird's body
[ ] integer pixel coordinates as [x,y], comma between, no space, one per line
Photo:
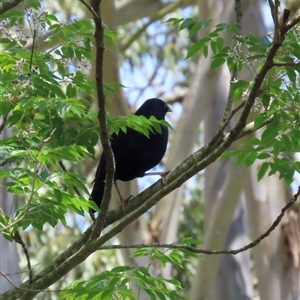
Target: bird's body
[134,152]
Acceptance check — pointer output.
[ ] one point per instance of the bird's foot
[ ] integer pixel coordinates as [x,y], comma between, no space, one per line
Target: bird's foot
[164,177]
[125,201]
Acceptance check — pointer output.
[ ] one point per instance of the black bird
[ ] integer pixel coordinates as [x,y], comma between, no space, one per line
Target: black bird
[134,152]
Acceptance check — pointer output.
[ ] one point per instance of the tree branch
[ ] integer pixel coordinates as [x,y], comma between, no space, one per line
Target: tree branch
[290,25]
[8,4]
[196,162]
[104,137]
[250,128]
[204,156]
[2,125]
[19,240]
[91,9]
[211,252]
[238,22]
[286,64]
[61,164]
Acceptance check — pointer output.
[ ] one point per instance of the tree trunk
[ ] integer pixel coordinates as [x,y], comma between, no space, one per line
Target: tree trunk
[9,258]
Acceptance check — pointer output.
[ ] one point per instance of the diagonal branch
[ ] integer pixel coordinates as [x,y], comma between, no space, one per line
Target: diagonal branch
[91,9]
[8,4]
[17,237]
[210,252]
[207,154]
[291,24]
[83,247]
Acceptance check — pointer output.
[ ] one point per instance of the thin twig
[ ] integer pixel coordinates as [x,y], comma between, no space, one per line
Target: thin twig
[290,25]
[236,109]
[250,128]
[274,17]
[104,136]
[195,163]
[238,22]
[286,64]
[5,161]
[91,9]
[2,125]
[210,252]
[32,50]
[8,279]
[65,170]
[272,6]
[6,276]
[17,237]
[276,20]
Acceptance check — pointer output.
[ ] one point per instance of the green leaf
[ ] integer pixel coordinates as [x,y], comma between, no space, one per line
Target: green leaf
[250,158]
[107,294]
[287,143]
[186,23]
[217,62]
[72,153]
[260,119]
[238,88]
[174,21]
[213,45]
[229,153]
[205,51]
[5,106]
[175,283]
[190,241]
[121,269]
[195,28]
[195,48]
[219,43]
[71,91]
[262,170]
[150,294]
[263,155]
[269,134]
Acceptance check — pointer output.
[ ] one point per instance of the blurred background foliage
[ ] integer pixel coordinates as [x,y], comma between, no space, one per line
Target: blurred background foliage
[147,60]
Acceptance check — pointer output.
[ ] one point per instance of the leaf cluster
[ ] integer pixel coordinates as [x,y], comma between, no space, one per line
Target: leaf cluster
[120,282]
[52,129]
[51,123]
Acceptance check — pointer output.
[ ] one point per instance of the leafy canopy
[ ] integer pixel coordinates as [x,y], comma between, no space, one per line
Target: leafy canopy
[50,124]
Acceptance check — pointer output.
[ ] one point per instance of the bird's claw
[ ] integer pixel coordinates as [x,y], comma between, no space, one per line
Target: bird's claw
[125,201]
[164,177]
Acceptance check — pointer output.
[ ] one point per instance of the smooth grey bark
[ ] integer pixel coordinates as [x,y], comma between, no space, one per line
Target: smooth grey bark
[228,277]
[239,287]
[133,10]
[181,145]
[9,258]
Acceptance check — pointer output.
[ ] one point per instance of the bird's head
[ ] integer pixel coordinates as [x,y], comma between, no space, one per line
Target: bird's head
[153,107]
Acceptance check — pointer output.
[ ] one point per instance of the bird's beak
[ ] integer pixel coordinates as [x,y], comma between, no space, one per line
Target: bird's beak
[169,109]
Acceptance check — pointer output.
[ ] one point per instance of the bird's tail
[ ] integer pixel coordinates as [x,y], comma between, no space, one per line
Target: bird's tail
[98,191]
